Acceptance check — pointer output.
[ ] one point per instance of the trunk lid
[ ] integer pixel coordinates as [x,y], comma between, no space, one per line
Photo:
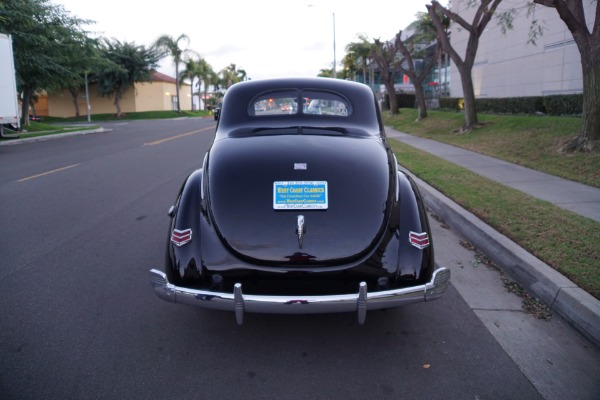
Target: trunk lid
[355,171]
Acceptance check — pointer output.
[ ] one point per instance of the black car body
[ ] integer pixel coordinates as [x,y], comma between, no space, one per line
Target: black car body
[299,209]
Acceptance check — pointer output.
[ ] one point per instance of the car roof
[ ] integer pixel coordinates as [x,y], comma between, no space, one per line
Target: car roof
[235,115]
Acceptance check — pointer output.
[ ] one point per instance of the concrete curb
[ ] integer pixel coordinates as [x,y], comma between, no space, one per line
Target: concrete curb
[50,137]
[564,297]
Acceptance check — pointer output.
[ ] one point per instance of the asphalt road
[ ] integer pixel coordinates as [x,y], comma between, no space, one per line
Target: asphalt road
[82,221]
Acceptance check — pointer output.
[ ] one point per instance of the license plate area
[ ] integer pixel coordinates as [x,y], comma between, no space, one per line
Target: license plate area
[300,195]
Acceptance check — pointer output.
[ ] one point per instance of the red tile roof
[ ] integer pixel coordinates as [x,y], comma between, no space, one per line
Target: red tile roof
[157,76]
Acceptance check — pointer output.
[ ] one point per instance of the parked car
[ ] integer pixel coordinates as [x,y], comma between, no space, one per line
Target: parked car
[299,212]
[217,111]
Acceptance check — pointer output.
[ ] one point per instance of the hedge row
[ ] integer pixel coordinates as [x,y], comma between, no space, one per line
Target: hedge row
[570,104]
[405,100]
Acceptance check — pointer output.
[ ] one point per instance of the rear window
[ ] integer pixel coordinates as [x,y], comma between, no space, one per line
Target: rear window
[313,102]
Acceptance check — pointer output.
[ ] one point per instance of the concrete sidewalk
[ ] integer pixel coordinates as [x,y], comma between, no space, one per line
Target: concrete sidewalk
[563,296]
[576,197]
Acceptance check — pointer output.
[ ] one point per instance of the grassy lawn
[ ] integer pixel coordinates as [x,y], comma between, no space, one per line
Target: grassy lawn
[131,116]
[563,240]
[530,141]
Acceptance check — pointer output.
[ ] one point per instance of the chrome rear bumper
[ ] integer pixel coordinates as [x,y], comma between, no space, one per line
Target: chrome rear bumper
[359,302]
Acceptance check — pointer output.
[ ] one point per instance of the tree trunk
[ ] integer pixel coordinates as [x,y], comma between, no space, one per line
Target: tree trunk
[192,93]
[177,87]
[589,137]
[391,90]
[590,124]
[440,69]
[469,97]
[446,64]
[27,94]
[74,95]
[421,103]
[118,103]
[588,42]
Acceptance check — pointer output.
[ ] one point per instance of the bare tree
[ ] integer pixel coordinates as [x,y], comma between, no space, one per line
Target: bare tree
[384,56]
[573,15]
[406,65]
[483,15]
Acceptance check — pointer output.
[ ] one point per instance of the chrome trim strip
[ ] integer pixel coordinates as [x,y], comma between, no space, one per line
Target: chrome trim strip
[203,169]
[359,302]
[396,177]
[300,229]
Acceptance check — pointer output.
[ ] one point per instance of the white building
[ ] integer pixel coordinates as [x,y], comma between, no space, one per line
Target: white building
[507,65]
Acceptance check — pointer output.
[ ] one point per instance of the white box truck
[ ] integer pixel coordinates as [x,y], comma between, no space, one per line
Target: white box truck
[9,105]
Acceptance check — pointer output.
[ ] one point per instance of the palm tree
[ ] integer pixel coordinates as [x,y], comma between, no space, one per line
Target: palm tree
[169,46]
[349,66]
[208,77]
[325,73]
[192,70]
[231,74]
[359,53]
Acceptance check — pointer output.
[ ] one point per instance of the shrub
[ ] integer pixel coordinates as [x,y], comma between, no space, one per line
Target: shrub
[569,104]
[449,103]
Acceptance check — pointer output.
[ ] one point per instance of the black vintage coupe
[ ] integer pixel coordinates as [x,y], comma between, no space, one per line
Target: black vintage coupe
[299,207]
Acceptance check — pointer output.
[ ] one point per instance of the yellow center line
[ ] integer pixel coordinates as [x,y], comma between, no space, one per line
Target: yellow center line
[178,136]
[47,173]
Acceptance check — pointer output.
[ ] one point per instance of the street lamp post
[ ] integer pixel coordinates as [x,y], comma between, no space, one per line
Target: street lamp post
[334,61]
[87,99]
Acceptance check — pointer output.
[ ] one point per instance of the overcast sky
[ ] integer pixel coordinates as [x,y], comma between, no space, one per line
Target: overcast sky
[266,38]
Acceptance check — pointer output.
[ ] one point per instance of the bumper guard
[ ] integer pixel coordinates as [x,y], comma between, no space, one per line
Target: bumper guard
[359,302]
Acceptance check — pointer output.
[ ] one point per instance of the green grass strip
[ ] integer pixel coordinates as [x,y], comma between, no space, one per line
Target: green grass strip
[531,141]
[132,116]
[565,241]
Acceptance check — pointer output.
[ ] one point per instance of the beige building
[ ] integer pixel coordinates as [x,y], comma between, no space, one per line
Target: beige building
[158,95]
[506,65]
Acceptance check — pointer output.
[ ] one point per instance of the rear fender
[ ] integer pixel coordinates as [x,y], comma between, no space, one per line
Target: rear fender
[184,246]
[415,253]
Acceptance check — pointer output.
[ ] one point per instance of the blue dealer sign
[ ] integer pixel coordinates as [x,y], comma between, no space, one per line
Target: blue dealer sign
[304,195]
